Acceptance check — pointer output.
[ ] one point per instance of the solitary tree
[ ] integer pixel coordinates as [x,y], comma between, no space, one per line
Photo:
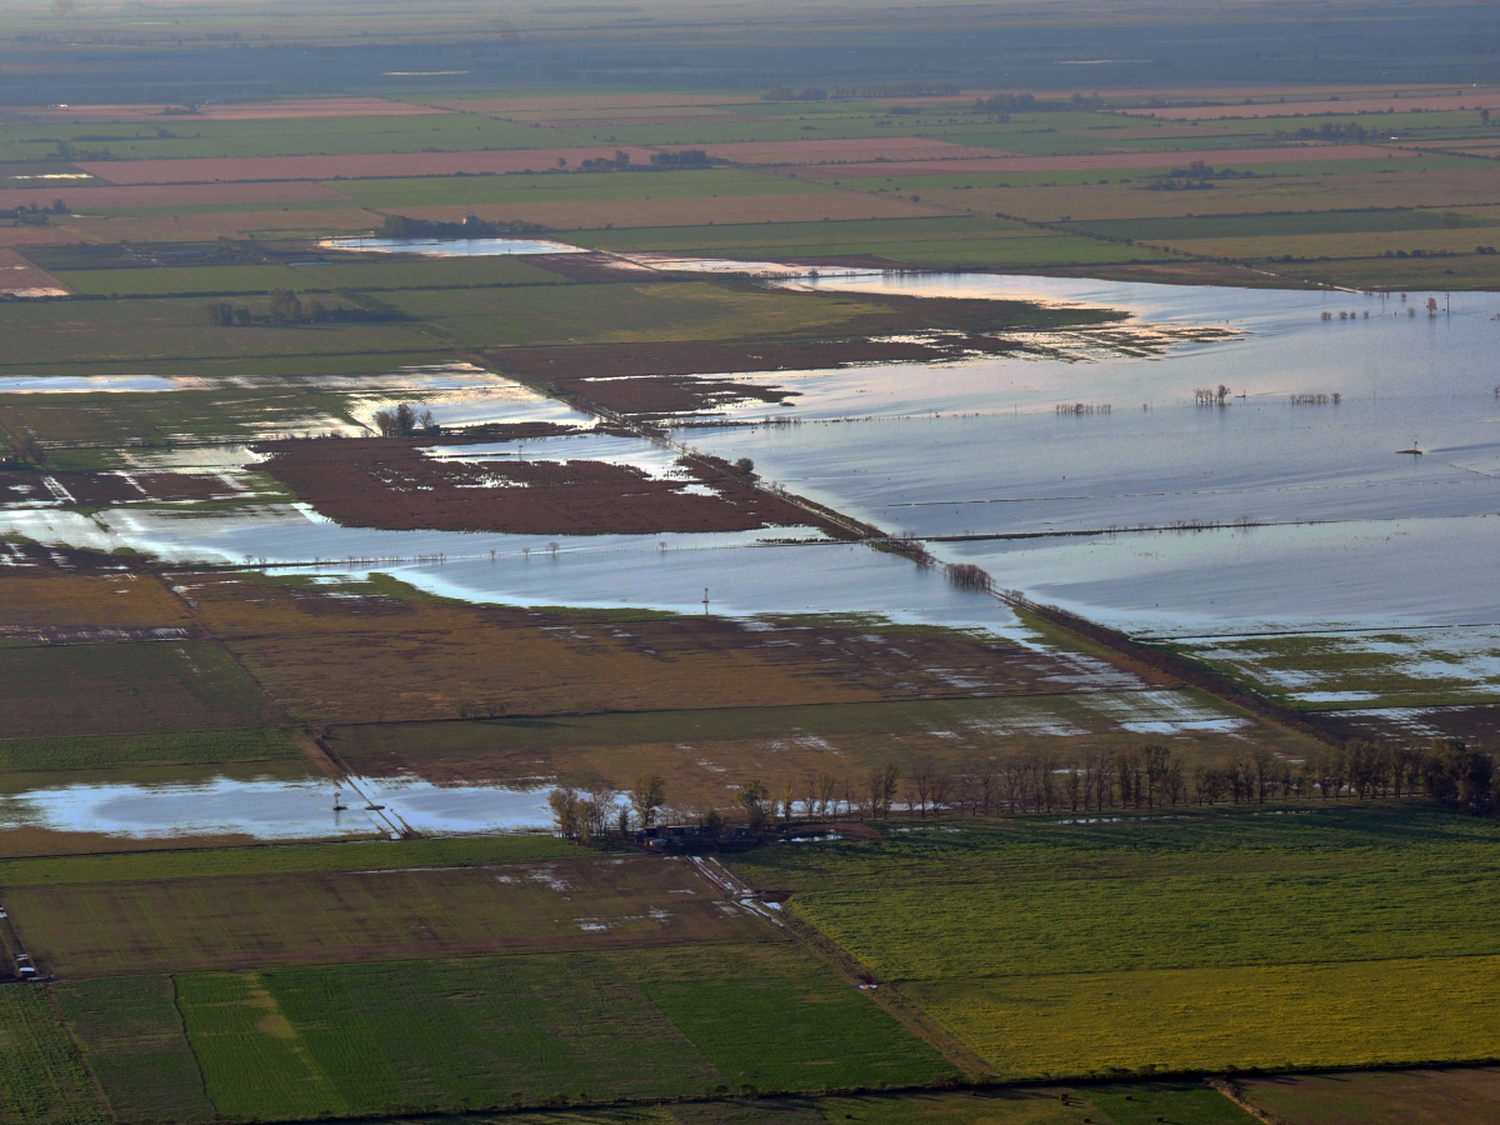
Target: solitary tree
[647,796]
[286,308]
[752,797]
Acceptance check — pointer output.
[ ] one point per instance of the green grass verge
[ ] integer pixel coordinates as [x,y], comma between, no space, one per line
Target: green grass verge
[105,752]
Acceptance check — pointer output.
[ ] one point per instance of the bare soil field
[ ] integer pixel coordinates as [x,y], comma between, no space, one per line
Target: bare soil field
[392,484]
[339,657]
[291,109]
[246,169]
[702,211]
[195,195]
[27,235]
[1466,1096]
[234,922]
[51,598]
[21,278]
[1105,162]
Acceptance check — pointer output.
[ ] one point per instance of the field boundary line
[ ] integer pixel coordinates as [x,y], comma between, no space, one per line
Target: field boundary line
[78,1051]
[1237,1096]
[848,968]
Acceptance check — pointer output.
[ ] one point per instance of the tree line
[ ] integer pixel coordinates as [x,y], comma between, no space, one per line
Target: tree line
[1149,776]
[286,307]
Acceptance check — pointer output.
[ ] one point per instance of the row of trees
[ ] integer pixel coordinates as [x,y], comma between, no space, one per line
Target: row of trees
[1145,777]
[287,308]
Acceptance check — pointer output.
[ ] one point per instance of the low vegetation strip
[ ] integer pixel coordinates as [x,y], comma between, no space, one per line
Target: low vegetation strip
[41,1080]
[1270,1017]
[104,752]
[383,855]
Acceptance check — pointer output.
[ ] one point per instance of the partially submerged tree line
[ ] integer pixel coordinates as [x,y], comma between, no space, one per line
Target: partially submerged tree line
[1029,782]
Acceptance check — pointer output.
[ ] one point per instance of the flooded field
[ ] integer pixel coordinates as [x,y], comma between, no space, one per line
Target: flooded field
[1095,446]
[267,809]
[1227,462]
[450,247]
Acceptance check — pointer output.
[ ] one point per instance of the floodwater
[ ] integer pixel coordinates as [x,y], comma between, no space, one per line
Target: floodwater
[977,448]
[274,809]
[452,247]
[777,571]
[1138,507]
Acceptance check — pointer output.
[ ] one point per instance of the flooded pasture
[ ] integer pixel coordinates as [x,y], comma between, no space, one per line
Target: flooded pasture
[273,809]
[451,247]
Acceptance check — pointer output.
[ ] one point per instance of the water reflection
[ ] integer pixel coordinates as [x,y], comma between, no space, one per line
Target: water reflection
[273,809]
[452,248]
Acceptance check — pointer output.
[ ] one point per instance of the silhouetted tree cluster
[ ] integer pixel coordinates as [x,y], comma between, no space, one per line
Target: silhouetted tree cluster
[403,421]
[687,158]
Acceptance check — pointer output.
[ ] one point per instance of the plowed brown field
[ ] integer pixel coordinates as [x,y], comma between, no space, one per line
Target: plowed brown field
[394,485]
[18,277]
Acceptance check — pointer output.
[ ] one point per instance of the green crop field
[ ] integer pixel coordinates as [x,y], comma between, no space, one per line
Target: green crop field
[180,281]
[445,273]
[1344,1014]
[459,191]
[1256,226]
[132,1038]
[41,1079]
[68,336]
[1186,942]
[433,1034]
[304,136]
[167,749]
[582,314]
[125,689]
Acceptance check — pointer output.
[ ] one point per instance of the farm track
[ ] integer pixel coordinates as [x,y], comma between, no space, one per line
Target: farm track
[845,965]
